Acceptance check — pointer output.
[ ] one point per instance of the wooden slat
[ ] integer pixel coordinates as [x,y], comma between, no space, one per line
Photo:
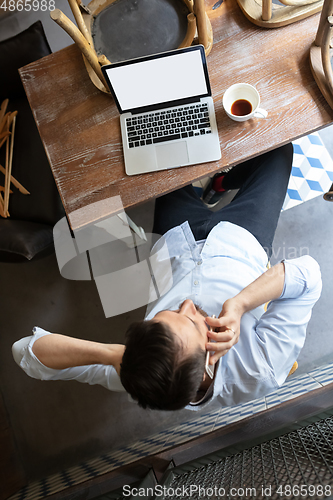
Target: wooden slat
[15,182]
[79,125]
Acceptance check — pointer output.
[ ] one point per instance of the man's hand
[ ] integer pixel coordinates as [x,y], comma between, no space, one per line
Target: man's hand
[226,329]
[268,286]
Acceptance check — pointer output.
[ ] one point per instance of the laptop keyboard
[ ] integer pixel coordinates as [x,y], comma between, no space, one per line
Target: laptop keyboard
[163,126]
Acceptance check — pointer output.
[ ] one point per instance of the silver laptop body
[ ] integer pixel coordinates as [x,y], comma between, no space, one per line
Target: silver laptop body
[167,112]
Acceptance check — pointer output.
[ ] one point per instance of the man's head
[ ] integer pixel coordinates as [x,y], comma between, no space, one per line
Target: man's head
[164,360]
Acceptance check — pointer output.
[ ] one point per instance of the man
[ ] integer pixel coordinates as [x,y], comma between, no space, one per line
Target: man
[219,263]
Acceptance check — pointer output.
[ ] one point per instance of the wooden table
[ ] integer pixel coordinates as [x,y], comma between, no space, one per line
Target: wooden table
[79,125]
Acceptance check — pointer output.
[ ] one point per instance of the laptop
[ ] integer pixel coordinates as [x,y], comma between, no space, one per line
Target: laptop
[167,112]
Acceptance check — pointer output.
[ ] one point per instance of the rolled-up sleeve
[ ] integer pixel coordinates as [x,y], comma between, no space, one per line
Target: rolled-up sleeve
[281,330]
[105,375]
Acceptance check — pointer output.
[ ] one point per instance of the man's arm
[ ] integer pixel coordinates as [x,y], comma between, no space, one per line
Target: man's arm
[60,352]
[49,356]
[267,287]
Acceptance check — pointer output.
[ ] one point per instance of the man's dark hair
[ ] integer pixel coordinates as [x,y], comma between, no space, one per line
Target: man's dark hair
[154,370]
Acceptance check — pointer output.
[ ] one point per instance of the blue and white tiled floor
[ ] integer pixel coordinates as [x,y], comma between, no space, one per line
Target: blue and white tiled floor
[312,175]
[312,171]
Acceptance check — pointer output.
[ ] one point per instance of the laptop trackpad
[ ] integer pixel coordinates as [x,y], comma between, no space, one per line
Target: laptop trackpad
[172,155]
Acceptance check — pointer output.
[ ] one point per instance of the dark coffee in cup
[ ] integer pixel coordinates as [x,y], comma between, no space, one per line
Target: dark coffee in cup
[241,107]
[241,102]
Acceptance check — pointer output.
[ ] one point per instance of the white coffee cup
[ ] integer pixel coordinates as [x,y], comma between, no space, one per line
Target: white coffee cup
[246,98]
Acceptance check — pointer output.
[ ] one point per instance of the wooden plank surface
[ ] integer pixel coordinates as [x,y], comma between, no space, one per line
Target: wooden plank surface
[79,125]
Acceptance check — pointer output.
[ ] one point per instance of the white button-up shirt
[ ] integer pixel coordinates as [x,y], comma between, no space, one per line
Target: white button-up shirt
[269,342]
[210,272]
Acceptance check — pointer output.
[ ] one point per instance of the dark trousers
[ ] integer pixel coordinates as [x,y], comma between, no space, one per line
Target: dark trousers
[262,184]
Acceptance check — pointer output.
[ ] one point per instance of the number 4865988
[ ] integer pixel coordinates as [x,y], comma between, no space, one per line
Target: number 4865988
[26,5]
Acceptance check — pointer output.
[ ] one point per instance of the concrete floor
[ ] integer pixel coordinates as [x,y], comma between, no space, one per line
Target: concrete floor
[57,424]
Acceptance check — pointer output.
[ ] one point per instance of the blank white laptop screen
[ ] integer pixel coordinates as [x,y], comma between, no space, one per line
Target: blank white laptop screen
[152,89]
[146,83]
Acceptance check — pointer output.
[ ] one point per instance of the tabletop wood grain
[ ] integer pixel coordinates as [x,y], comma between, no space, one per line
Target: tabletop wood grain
[79,125]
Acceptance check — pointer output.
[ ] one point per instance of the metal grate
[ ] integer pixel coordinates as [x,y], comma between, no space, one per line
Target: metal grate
[297,465]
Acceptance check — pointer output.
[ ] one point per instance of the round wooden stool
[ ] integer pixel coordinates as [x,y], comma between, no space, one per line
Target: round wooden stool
[109,31]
